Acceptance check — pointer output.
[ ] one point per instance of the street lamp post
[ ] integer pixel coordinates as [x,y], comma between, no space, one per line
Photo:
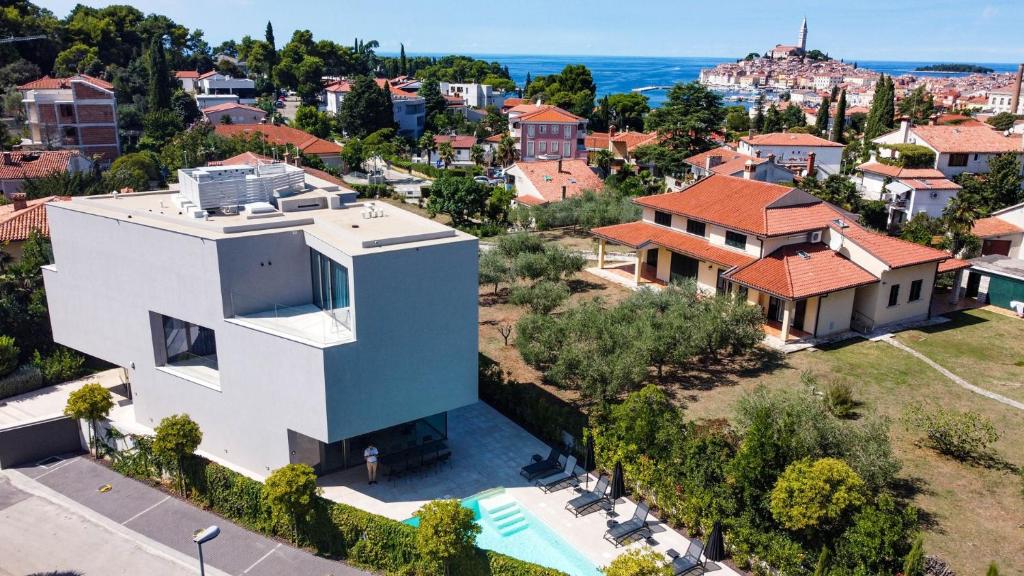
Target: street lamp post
[202,538]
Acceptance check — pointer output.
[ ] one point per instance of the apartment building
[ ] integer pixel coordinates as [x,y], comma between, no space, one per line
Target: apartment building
[547,132]
[75,113]
[794,150]
[475,95]
[234,113]
[291,322]
[810,266]
[214,84]
[957,148]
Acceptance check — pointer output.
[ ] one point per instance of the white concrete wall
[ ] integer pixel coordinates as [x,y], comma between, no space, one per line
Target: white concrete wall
[873,300]
[922,201]
[834,312]
[872,186]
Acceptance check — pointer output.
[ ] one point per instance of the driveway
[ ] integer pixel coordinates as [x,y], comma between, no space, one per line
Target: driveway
[154,516]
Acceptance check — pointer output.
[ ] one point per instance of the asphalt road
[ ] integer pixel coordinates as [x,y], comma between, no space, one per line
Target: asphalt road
[172,522]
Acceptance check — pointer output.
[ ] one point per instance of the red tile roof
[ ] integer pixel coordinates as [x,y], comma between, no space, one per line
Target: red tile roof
[994,226]
[789,139]
[639,234]
[549,113]
[575,175]
[231,106]
[893,252]
[930,183]
[803,270]
[16,225]
[396,92]
[458,141]
[281,135]
[596,141]
[633,140]
[511,103]
[800,218]
[27,165]
[898,172]
[968,139]
[186,74]
[339,86]
[953,264]
[729,163]
[49,83]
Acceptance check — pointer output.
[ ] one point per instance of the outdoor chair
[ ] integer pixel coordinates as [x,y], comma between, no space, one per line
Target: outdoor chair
[589,500]
[622,532]
[691,562]
[544,467]
[560,479]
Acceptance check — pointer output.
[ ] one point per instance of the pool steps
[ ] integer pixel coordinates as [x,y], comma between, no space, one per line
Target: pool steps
[504,513]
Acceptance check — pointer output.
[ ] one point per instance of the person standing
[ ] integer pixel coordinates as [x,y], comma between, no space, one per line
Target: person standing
[370,455]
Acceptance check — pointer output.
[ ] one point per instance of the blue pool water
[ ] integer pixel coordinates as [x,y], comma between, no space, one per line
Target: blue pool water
[509,528]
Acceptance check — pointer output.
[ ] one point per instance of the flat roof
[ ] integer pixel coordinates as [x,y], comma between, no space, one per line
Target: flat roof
[347,228]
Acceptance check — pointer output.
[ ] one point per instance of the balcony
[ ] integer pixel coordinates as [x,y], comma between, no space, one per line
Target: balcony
[303,323]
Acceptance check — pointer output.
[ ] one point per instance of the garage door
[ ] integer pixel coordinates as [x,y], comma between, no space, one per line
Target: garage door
[1002,291]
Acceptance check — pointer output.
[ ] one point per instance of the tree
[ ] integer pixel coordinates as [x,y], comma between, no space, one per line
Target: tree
[839,123]
[821,120]
[270,59]
[919,105]
[737,119]
[914,564]
[447,531]
[816,495]
[835,189]
[793,117]
[878,540]
[403,63]
[1002,121]
[541,298]
[446,153]
[309,119]
[177,437]
[494,269]
[462,198]
[772,121]
[638,562]
[184,105]
[876,123]
[78,59]
[366,109]
[1003,181]
[91,402]
[625,111]
[685,122]
[8,355]
[434,102]
[291,492]
[572,89]
[476,154]
[959,216]
[508,151]
[604,159]
[159,76]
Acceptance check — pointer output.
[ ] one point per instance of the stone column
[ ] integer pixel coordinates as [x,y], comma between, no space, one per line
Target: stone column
[600,253]
[636,267]
[787,317]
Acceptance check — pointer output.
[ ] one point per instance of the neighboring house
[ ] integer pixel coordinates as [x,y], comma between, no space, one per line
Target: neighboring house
[812,269]
[187,79]
[280,322]
[546,132]
[957,149]
[408,108]
[907,191]
[542,182]
[1001,100]
[216,84]
[18,167]
[20,218]
[328,152]
[728,162]
[461,145]
[794,151]
[475,95]
[77,113]
[335,93]
[235,113]
[997,276]
[622,145]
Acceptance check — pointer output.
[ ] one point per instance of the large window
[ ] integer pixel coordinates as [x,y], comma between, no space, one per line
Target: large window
[696,227]
[958,159]
[736,240]
[662,218]
[915,290]
[185,342]
[894,294]
[329,281]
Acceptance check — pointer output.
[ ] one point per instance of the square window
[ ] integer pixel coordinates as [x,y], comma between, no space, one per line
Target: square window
[188,344]
[958,159]
[696,227]
[894,295]
[915,290]
[662,218]
[736,240]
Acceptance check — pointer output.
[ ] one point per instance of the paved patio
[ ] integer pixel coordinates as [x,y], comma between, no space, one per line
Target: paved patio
[488,450]
[623,275]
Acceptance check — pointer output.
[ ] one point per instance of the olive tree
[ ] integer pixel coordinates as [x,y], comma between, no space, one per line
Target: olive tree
[177,437]
[91,402]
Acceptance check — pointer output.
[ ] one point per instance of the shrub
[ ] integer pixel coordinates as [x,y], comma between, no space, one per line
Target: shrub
[816,494]
[91,402]
[839,398]
[177,437]
[8,355]
[914,563]
[961,435]
[374,190]
[290,491]
[910,156]
[25,378]
[542,298]
[878,539]
[447,531]
[1002,121]
[61,365]
[638,562]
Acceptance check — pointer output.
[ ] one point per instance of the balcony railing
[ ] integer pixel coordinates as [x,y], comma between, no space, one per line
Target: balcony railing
[302,322]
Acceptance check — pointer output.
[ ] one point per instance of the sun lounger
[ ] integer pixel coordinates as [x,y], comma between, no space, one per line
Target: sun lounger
[560,479]
[543,467]
[589,500]
[620,533]
[691,562]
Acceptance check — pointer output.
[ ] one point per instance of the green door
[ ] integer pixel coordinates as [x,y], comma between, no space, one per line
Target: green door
[1002,291]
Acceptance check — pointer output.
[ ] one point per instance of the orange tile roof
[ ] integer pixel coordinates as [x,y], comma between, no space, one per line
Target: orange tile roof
[339,86]
[575,175]
[893,252]
[457,141]
[952,264]
[639,234]
[597,141]
[800,218]
[730,161]
[803,270]
[186,74]
[930,183]
[899,172]
[549,113]
[735,203]
[281,135]
[633,140]
[26,165]
[788,139]
[511,102]
[16,225]
[968,139]
[49,83]
[396,92]
[994,226]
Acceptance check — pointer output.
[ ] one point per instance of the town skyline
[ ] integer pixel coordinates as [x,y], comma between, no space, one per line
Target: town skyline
[428,33]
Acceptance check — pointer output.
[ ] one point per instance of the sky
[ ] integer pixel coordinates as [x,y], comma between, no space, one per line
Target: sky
[902,30]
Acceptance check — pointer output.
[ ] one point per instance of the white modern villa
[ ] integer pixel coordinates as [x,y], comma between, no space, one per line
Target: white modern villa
[291,322]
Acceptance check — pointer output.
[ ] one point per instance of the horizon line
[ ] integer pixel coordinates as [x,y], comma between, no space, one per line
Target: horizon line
[482,55]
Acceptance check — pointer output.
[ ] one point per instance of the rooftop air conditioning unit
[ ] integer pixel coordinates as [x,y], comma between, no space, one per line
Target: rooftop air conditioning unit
[814,237]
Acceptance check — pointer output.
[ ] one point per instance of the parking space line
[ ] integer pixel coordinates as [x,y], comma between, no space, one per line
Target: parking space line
[166,498]
[56,467]
[262,558]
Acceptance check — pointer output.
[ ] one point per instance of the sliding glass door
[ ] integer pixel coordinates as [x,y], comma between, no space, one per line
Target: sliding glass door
[329,281]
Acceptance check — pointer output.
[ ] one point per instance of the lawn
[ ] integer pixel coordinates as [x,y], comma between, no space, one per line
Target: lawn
[982,347]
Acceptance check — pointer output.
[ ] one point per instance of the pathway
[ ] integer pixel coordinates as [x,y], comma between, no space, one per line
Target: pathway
[958,380]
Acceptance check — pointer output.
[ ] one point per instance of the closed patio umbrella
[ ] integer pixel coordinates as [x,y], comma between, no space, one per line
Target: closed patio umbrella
[618,488]
[715,549]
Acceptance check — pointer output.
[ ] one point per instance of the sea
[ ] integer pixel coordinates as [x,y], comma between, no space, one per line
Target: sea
[614,74]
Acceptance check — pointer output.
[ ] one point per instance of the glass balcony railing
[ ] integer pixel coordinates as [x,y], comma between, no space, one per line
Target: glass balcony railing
[304,322]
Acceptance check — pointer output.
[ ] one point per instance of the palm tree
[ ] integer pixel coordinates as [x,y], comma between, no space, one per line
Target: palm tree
[960,214]
[476,154]
[447,153]
[603,159]
[426,143]
[508,152]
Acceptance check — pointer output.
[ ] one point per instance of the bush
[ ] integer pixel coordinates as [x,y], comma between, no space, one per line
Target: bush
[638,562]
[910,156]
[290,491]
[816,495]
[446,532]
[177,437]
[1002,121]
[839,398]
[542,298]
[961,435]
[25,378]
[914,563]
[8,355]
[62,365]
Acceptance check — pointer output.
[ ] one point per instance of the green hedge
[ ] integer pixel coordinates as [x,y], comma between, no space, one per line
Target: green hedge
[335,530]
[25,378]
[435,172]
[373,190]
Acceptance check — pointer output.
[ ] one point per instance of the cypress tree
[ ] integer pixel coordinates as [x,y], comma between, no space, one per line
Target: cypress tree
[821,121]
[526,84]
[840,120]
[272,53]
[772,120]
[159,76]
[873,126]
[403,64]
[888,118]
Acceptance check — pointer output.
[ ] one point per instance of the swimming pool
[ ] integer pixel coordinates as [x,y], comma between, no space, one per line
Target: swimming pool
[509,528]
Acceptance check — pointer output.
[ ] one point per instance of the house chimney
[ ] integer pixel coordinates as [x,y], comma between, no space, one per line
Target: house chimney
[560,169]
[748,170]
[1015,102]
[18,200]
[757,153]
[563,192]
[7,161]
[810,163]
[771,158]
[904,129]
[612,131]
